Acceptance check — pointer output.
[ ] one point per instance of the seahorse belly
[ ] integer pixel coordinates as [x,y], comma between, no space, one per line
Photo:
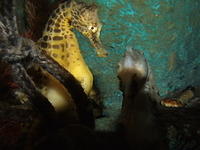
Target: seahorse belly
[66,52]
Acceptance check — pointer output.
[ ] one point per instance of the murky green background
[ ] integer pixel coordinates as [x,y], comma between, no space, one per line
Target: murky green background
[168,31]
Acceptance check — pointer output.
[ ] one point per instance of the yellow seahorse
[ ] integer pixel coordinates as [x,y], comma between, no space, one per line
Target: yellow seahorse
[60,42]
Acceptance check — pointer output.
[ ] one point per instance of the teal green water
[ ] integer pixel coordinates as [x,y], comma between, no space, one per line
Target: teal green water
[168,31]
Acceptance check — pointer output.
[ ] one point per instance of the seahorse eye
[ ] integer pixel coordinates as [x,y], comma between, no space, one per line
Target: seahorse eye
[92,28]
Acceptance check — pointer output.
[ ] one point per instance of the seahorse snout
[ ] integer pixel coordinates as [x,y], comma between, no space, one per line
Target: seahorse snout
[96,42]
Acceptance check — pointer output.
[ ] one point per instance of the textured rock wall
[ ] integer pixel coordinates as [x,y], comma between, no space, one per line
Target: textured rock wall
[166,30]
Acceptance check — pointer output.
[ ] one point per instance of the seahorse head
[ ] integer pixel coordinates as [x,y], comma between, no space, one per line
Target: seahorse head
[85,19]
[133,71]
